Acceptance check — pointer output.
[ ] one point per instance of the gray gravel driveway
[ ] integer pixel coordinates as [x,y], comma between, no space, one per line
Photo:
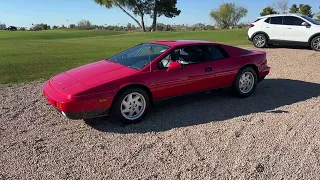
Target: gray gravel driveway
[274,134]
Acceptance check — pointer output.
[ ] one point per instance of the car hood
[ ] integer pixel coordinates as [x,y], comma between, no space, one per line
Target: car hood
[84,77]
[99,72]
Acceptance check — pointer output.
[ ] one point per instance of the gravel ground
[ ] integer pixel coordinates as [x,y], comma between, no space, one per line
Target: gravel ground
[274,134]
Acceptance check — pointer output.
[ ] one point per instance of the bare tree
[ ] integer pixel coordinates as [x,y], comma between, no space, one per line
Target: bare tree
[282,5]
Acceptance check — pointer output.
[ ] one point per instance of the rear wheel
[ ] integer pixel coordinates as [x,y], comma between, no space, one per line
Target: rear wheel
[131,105]
[260,41]
[315,43]
[245,82]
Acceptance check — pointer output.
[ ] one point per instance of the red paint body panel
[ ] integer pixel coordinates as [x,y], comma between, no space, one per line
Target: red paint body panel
[81,88]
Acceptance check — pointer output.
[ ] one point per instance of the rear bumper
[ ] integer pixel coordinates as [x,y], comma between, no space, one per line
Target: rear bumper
[264,72]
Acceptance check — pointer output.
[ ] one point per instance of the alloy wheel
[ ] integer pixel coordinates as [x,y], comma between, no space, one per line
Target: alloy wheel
[246,82]
[133,106]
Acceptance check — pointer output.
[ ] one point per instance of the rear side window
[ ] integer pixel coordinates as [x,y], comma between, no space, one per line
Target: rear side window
[276,20]
[267,20]
[217,52]
[291,20]
[257,20]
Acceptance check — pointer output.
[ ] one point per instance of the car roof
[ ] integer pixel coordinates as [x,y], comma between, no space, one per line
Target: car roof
[275,15]
[181,42]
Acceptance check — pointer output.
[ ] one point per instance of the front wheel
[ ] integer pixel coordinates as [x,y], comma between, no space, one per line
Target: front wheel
[260,41]
[315,43]
[245,82]
[131,105]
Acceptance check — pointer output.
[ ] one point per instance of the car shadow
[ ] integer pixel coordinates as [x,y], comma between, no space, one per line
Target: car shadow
[270,95]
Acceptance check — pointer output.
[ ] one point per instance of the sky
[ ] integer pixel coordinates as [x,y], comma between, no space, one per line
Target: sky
[24,13]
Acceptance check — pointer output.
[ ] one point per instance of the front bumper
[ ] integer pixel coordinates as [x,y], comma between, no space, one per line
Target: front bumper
[249,38]
[86,114]
[76,109]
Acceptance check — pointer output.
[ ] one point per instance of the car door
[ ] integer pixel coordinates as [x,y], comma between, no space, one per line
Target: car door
[294,30]
[224,69]
[274,28]
[192,77]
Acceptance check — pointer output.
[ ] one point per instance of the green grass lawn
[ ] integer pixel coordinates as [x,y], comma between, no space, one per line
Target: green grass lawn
[28,55]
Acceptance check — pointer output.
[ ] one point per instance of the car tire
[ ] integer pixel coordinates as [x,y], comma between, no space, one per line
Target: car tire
[245,82]
[260,41]
[131,105]
[315,43]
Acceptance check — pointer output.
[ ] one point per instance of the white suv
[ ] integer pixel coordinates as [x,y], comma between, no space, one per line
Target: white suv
[288,29]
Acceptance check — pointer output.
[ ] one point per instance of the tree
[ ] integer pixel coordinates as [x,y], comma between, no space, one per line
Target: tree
[136,6]
[159,8]
[268,10]
[154,8]
[85,24]
[294,9]
[40,27]
[130,27]
[305,9]
[318,17]
[282,5]
[72,26]
[228,14]
[55,27]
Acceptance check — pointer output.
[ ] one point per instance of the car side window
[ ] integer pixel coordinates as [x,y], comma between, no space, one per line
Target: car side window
[217,52]
[267,20]
[293,21]
[276,20]
[256,20]
[185,55]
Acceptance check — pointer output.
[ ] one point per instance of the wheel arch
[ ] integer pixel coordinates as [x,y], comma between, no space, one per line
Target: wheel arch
[252,66]
[313,36]
[261,32]
[142,86]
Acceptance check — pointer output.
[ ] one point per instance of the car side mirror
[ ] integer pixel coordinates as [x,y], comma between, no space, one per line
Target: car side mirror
[174,66]
[305,24]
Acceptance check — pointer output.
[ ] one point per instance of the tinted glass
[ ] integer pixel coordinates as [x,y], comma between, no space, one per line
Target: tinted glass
[311,20]
[216,52]
[139,56]
[276,20]
[291,20]
[257,20]
[267,20]
[186,55]
[195,55]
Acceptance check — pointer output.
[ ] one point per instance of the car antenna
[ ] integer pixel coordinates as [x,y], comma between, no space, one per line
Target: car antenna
[151,51]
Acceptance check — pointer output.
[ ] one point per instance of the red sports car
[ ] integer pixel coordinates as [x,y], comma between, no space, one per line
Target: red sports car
[125,85]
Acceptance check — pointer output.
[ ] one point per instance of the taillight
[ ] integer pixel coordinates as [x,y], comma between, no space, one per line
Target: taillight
[251,25]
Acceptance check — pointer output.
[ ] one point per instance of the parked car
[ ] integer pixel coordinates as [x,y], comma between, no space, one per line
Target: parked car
[11,28]
[285,29]
[127,84]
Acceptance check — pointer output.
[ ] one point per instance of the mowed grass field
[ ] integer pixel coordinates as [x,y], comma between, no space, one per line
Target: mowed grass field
[28,55]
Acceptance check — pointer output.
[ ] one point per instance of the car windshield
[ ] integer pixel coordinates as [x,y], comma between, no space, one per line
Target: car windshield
[139,56]
[313,21]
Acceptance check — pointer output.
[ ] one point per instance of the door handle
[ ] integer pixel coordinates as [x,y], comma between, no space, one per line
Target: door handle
[289,28]
[267,27]
[208,69]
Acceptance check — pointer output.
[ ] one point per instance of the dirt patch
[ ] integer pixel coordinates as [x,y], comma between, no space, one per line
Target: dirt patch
[272,135]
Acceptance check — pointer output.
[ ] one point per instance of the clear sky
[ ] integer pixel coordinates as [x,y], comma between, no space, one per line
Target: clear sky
[23,13]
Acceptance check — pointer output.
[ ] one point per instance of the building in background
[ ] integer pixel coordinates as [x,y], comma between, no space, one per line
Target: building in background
[3,26]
